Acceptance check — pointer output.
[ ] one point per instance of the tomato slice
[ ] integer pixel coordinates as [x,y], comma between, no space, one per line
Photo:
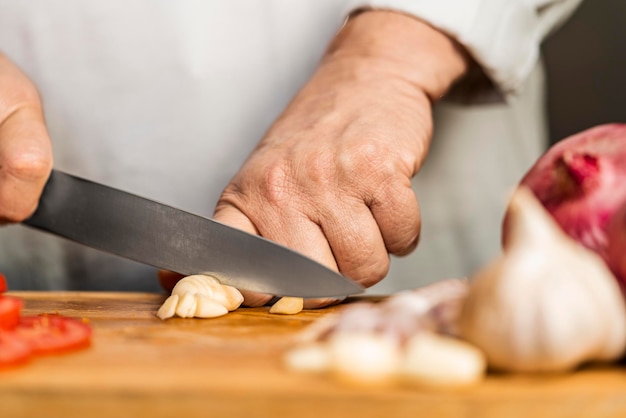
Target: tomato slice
[3,283]
[168,279]
[13,349]
[10,308]
[48,334]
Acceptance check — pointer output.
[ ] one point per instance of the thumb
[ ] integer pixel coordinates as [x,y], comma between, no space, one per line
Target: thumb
[25,149]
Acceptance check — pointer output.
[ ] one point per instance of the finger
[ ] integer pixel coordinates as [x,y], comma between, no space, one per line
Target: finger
[231,216]
[25,149]
[397,214]
[321,303]
[25,163]
[356,242]
[288,228]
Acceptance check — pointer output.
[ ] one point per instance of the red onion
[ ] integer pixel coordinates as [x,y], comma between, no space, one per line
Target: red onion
[617,245]
[581,180]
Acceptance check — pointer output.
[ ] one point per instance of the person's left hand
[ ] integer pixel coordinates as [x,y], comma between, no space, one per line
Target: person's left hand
[332,177]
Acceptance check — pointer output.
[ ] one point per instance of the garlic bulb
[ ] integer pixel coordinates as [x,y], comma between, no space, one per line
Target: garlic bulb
[200,296]
[547,303]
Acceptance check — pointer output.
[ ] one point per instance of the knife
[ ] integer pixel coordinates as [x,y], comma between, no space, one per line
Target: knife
[152,233]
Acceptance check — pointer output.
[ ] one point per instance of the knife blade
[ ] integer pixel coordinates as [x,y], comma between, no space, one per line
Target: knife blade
[143,230]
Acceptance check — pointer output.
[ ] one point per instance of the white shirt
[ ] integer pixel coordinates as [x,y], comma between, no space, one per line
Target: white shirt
[166,99]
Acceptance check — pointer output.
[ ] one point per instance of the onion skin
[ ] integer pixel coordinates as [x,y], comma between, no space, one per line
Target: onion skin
[581,181]
[617,246]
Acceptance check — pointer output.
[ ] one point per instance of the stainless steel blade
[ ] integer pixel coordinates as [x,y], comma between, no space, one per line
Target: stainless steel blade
[143,230]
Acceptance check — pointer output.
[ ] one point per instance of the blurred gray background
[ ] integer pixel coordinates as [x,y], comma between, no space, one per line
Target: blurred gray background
[586,65]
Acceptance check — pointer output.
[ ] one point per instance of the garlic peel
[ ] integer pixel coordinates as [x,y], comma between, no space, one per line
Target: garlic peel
[547,303]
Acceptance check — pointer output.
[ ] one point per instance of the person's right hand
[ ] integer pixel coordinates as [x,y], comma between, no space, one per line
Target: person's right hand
[25,149]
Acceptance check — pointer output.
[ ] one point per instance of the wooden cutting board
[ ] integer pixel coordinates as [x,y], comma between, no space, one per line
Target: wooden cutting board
[231,366]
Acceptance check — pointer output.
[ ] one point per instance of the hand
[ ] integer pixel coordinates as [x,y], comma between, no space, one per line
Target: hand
[332,177]
[25,149]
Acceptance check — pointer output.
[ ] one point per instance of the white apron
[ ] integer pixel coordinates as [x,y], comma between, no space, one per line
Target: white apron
[167,98]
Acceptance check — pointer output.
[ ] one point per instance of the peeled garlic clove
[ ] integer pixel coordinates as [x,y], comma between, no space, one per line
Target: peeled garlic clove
[186,306]
[310,358]
[437,360]
[168,309]
[287,306]
[196,283]
[234,297]
[208,308]
[204,285]
[363,358]
[548,303]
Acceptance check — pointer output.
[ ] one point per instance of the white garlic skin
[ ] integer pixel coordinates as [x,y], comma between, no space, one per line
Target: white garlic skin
[547,303]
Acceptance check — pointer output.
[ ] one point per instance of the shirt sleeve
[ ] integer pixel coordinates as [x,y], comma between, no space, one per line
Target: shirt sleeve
[502,36]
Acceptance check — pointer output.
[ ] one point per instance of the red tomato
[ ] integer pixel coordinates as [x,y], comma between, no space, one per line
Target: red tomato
[168,279]
[3,283]
[13,350]
[9,312]
[47,334]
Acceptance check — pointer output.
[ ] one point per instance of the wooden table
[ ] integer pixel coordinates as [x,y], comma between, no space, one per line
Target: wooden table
[231,366]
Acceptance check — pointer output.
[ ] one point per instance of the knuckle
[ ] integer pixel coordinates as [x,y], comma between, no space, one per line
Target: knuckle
[364,152]
[373,157]
[31,164]
[279,184]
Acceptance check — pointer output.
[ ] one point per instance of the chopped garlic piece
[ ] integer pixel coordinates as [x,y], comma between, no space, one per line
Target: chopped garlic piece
[168,309]
[233,296]
[363,358]
[202,284]
[186,306]
[438,360]
[200,296]
[312,358]
[208,308]
[287,306]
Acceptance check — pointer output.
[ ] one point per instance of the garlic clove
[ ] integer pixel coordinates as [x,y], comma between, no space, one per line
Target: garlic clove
[186,305]
[437,360]
[547,303]
[208,308]
[287,306]
[168,309]
[309,358]
[204,285]
[196,283]
[363,358]
[234,297]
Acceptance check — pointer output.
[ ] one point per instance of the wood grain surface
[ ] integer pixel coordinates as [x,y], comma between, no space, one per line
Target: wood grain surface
[231,366]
